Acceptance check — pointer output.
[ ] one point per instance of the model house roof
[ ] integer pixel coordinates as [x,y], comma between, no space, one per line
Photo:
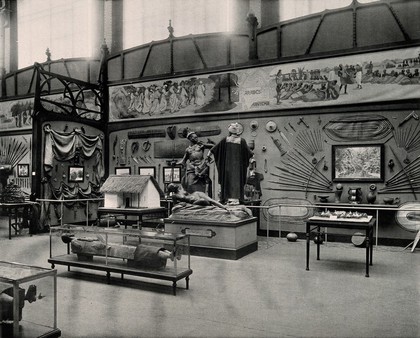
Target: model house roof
[128,184]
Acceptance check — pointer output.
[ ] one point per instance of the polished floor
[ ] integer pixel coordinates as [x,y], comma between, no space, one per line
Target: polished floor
[265,294]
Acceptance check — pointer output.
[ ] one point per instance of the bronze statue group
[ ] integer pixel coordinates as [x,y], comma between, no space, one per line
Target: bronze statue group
[232,157]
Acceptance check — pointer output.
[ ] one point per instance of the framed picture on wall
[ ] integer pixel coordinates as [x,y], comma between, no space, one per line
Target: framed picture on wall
[23,170]
[171,174]
[76,174]
[122,171]
[148,171]
[360,163]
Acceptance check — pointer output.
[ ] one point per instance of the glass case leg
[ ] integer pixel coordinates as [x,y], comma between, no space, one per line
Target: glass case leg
[174,288]
[16,310]
[318,243]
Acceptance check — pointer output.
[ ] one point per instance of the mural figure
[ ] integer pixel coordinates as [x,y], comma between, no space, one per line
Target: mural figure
[358,76]
[200,93]
[279,85]
[122,102]
[232,156]
[173,98]
[345,77]
[147,104]
[22,113]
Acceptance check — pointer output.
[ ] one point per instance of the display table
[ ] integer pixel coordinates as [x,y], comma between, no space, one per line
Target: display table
[228,240]
[140,213]
[364,223]
[35,317]
[13,210]
[373,209]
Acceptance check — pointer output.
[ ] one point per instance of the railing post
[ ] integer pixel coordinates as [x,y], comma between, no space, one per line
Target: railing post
[62,210]
[87,213]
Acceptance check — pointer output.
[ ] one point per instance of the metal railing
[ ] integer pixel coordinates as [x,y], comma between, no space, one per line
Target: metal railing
[332,206]
[87,200]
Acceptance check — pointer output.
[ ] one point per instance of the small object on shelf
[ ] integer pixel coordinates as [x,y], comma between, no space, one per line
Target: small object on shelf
[338,192]
[391,200]
[318,239]
[371,196]
[292,237]
[323,198]
[358,239]
[339,213]
[325,214]
[355,195]
[67,238]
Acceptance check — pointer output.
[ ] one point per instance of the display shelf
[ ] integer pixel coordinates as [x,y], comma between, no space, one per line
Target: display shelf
[138,216]
[357,206]
[375,209]
[149,254]
[28,301]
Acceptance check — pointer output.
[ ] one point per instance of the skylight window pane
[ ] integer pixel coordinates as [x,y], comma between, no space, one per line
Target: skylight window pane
[63,26]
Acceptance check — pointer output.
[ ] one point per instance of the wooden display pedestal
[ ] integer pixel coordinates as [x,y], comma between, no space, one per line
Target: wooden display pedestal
[226,240]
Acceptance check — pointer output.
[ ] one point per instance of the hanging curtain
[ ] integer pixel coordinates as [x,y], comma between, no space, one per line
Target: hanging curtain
[65,146]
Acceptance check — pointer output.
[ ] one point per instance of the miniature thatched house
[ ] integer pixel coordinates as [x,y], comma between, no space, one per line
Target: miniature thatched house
[131,191]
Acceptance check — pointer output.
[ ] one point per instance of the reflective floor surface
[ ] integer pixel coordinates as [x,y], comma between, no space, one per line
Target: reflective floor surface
[265,294]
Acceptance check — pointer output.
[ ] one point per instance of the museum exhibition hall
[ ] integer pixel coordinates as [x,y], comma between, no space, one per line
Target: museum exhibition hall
[223,168]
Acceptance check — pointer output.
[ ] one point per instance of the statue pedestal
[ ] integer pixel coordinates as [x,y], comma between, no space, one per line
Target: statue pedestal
[227,240]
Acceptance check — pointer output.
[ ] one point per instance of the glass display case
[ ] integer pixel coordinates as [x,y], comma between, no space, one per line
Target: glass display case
[28,301]
[152,254]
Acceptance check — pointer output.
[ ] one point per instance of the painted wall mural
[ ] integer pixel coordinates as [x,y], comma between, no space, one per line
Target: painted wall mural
[188,95]
[371,77]
[16,114]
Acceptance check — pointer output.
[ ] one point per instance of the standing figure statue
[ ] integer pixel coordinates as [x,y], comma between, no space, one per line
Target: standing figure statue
[196,176]
[232,156]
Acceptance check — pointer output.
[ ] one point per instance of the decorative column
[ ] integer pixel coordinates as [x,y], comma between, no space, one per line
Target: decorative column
[3,22]
[252,29]
[113,24]
[103,83]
